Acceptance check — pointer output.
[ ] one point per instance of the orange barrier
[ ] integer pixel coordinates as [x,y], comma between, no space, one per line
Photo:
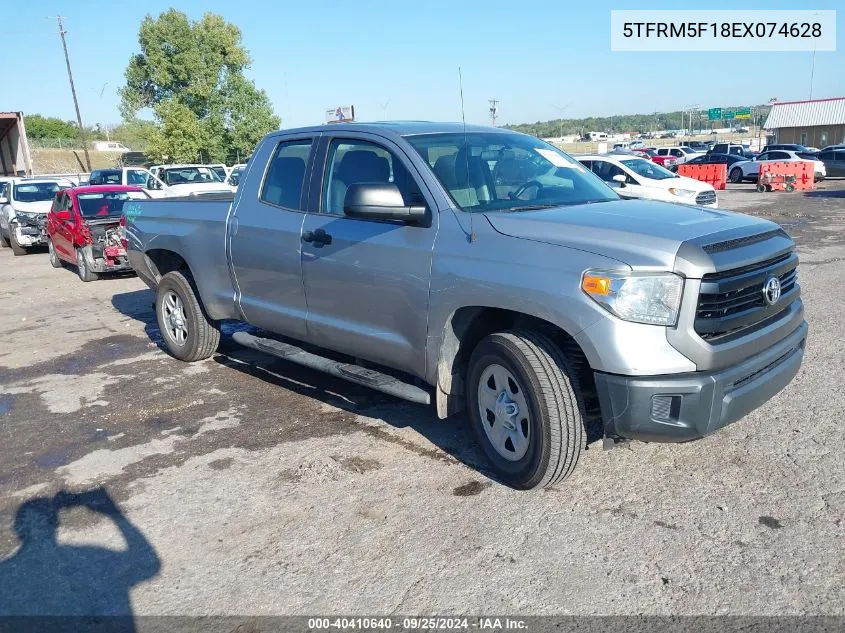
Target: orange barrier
[716,175]
[786,176]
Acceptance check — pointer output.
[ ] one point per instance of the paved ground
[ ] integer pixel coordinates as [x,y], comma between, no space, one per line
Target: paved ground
[250,486]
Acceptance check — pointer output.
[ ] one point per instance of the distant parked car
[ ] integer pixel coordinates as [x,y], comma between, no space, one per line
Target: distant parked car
[635,177]
[698,146]
[83,228]
[789,147]
[24,203]
[750,169]
[833,158]
[732,148]
[679,154]
[717,159]
[110,146]
[235,175]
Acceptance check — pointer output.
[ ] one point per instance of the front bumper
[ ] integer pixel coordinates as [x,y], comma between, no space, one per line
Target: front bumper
[29,235]
[684,407]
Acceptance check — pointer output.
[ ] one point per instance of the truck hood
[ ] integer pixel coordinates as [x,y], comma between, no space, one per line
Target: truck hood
[640,233]
[33,207]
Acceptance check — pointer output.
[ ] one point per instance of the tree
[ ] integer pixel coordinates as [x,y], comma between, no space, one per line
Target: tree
[39,127]
[190,74]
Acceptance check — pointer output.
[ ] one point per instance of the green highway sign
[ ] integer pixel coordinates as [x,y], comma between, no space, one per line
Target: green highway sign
[743,113]
[714,114]
[727,115]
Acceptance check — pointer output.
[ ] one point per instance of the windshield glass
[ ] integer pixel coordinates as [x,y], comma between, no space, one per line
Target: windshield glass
[188,175]
[136,177]
[647,169]
[36,191]
[492,171]
[220,171]
[107,203]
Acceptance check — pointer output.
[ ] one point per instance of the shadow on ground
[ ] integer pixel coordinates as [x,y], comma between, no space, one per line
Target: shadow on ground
[46,579]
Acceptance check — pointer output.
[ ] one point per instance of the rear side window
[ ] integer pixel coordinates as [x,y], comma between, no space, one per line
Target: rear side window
[283,183]
[840,154]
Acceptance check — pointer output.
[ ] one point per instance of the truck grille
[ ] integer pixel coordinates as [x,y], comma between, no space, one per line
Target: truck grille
[732,301]
[706,197]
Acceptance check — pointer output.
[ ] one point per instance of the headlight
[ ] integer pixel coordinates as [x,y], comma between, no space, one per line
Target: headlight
[652,298]
[683,193]
[28,218]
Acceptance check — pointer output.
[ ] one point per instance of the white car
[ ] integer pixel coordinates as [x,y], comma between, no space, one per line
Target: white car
[24,203]
[635,177]
[184,180]
[750,169]
[680,154]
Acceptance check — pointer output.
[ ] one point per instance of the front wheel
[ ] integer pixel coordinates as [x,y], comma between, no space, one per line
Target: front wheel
[83,270]
[17,249]
[736,175]
[526,408]
[188,333]
[55,262]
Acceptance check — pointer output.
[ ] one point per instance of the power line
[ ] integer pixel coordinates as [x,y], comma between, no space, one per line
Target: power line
[73,92]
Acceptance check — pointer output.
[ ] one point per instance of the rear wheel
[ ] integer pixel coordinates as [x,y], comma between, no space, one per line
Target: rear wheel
[526,408]
[55,262]
[17,249]
[761,188]
[83,270]
[188,332]
[736,175]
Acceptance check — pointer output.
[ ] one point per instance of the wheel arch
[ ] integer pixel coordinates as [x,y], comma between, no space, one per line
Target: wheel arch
[468,325]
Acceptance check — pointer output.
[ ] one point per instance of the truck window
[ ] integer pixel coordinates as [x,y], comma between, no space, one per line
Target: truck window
[283,182]
[136,177]
[352,162]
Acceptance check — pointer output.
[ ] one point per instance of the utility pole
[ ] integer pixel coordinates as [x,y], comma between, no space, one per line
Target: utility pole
[82,134]
[494,111]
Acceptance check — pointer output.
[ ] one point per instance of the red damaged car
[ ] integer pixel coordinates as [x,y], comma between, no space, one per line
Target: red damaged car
[83,228]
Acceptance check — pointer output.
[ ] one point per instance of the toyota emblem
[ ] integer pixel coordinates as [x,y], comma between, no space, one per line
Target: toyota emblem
[771,290]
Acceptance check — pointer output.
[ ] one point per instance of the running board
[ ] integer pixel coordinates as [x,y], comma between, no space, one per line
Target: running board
[353,373]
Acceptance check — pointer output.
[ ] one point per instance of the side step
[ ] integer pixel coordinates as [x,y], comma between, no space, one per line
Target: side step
[353,373]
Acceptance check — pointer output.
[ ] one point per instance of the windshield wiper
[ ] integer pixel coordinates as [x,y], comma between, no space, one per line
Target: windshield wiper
[533,207]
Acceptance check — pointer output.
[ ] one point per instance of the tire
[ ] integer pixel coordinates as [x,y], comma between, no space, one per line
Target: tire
[736,175]
[761,188]
[4,241]
[82,269]
[790,188]
[188,333]
[17,249]
[531,363]
[55,261]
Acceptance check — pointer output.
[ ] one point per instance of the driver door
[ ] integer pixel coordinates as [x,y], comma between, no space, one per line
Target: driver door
[62,226]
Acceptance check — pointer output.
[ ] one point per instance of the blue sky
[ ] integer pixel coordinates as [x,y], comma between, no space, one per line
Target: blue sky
[399,60]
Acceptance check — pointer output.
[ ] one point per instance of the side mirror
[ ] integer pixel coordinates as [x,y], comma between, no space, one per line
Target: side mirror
[621,179]
[63,214]
[380,201]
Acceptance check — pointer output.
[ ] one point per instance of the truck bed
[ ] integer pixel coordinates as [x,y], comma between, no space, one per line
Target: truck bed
[194,226]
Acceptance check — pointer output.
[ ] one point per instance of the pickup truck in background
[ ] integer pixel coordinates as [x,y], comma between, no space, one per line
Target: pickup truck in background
[479,268]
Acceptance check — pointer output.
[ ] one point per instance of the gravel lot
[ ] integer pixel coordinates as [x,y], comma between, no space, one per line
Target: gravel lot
[249,486]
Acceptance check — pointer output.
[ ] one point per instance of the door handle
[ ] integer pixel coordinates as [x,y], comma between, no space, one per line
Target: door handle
[318,237]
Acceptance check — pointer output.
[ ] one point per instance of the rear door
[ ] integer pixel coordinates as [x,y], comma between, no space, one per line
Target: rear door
[264,236]
[367,281]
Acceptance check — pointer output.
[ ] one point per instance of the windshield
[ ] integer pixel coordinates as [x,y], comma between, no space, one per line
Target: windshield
[107,203]
[647,169]
[137,177]
[493,171]
[188,175]
[220,171]
[36,191]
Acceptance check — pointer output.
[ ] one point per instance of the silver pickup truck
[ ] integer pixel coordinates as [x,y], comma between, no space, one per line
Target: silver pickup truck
[476,267]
